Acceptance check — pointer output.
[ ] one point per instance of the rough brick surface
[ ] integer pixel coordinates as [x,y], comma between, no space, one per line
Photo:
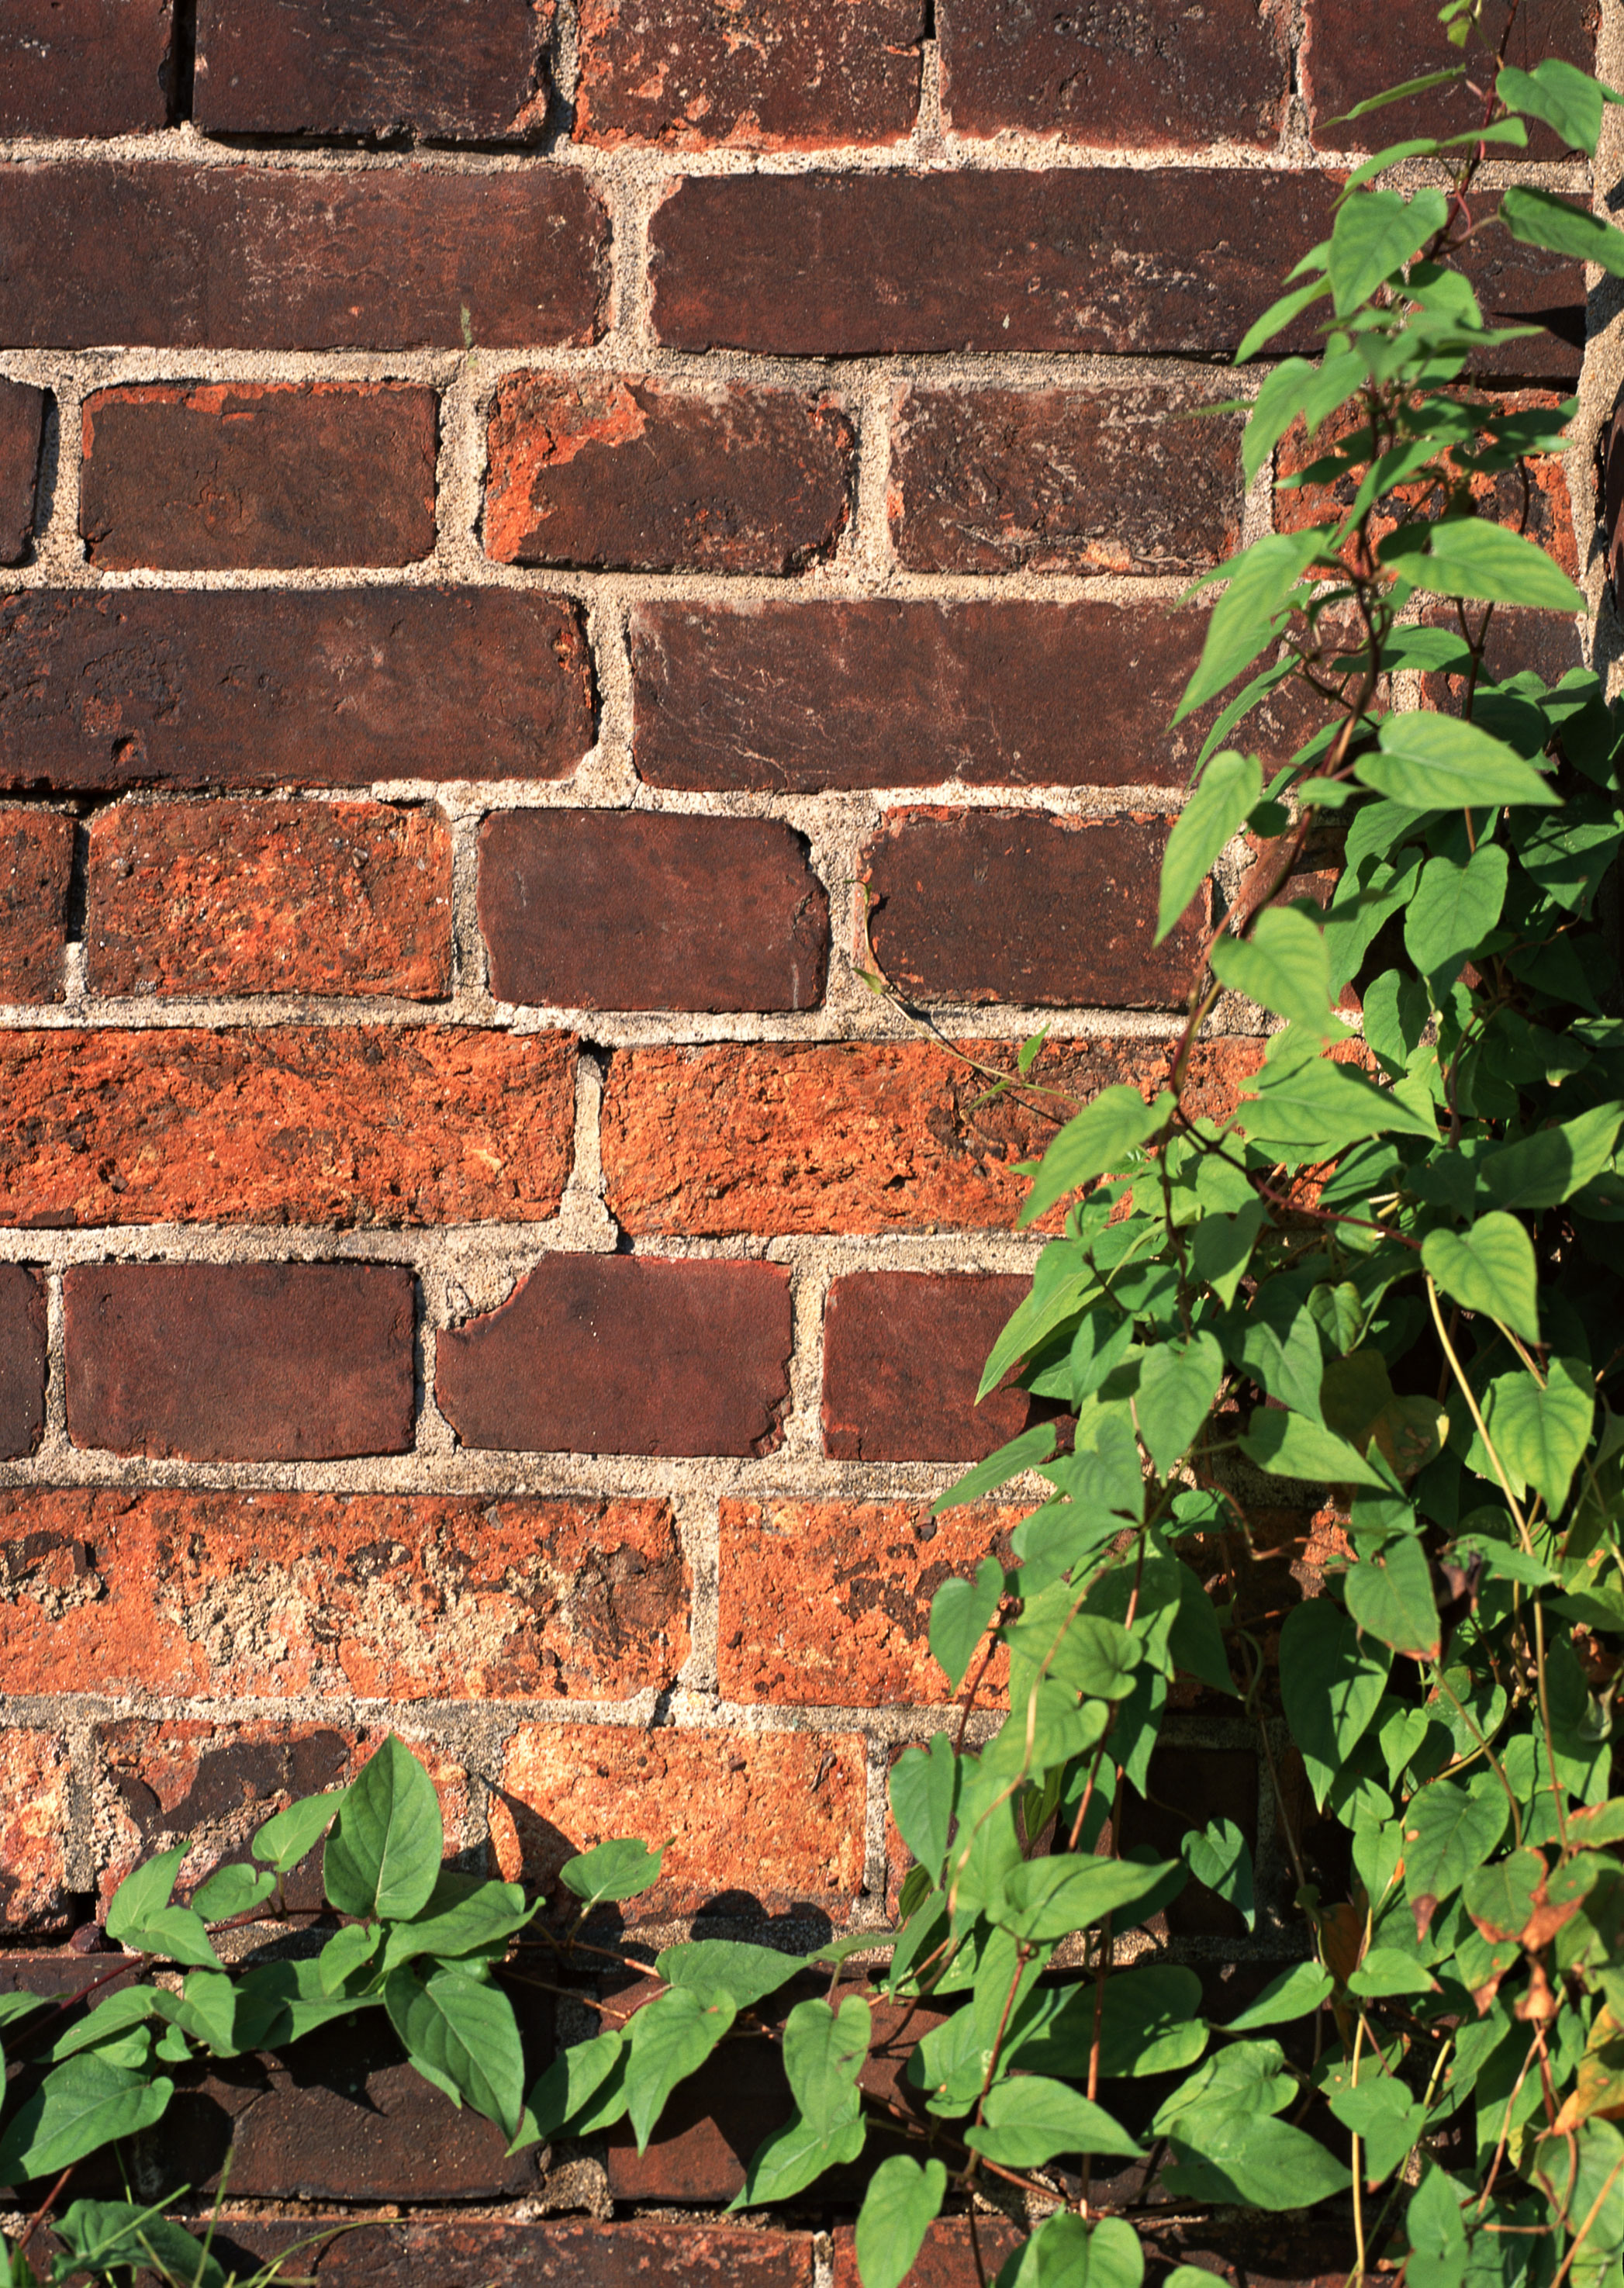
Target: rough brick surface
[163,1780]
[22,1360]
[1146,74]
[274,1362]
[902,1357]
[711,2126]
[854,1137]
[958,2252]
[769,75]
[1108,260]
[37,857]
[83,67]
[827,1603]
[617,1355]
[1062,481]
[1352,51]
[628,909]
[462,69]
[627,470]
[774,1818]
[1524,286]
[450,2252]
[34,1779]
[254,897]
[986,905]
[238,257]
[782,697]
[371,1595]
[22,412]
[262,476]
[335,687]
[297,1124]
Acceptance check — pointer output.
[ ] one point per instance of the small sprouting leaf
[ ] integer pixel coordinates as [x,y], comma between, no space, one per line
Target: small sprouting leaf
[461,2034]
[1331,1682]
[669,2038]
[959,1614]
[81,2105]
[1026,2121]
[1448,1833]
[903,2200]
[1489,1267]
[1178,1383]
[1454,908]
[1026,1451]
[1435,762]
[233,1890]
[1250,611]
[1099,1141]
[288,1835]
[1230,786]
[1218,1855]
[1285,965]
[1375,236]
[622,1868]
[346,1951]
[1389,1594]
[383,1854]
[1297,1993]
[139,1917]
[1538,218]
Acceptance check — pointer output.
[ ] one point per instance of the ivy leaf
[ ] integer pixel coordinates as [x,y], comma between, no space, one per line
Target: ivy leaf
[1067,2252]
[1540,1434]
[621,1868]
[288,1835]
[903,2200]
[1101,1140]
[1229,788]
[234,1890]
[139,1917]
[577,2075]
[383,1854]
[1284,965]
[1288,1446]
[1330,1684]
[1454,909]
[1563,97]
[1436,2233]
[1312,1111]
[1217,1855]
[462,1915]
[1249,612]
[1024,1452]
[1490,1268]
[1471,556]
[1539,219]
[1046,1899]
[714,1967]
[1435,762]
[1297,1993]
[1382,2115]
[1240,2159]
[103,2237]
[924,1785]
[1373,236]
[346,1951]
[960,1612]
[1448,1833]
[796,2156]
[461,2034]
[1028,2120]
[825,2051]
[81,2104]
[1549,1167]
[1389,1594]
[1387,1970]
[1221,1248]
[670,2038]
[1178,1383]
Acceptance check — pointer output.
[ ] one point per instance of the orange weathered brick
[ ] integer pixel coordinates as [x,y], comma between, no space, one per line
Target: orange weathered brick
[779,1816]
[294,1125]
[828,1603]
[860,1136]
[380,1596]
[33,1809]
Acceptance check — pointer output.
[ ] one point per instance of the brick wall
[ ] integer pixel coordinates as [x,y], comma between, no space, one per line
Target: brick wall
[540,542]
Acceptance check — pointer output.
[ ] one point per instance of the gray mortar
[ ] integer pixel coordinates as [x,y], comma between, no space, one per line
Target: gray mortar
[468,1270]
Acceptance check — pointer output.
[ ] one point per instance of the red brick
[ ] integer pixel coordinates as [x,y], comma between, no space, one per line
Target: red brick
[1107,260]
[325,687]
[456,69]
[620,1355]
[1062,481]
[368,1596]
[22,414]
[258,897]
[988,905]
[775,1818]
[771,76]
[163,1781]
[902,1357]
[1352,52]
[322,1123]
[35,1781]
[36,859]
[630,909]
[1145,77]
[83,67]
[264,476]
[254,257]
[711,2125]
[240,1362]
[22,1360]
[827,1603]
[781,697]
[962,2252]
[623,469]
[452,2251]
[859,1136]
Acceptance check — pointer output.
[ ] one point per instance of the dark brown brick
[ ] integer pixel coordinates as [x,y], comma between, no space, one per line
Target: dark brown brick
[769,75]
[204,479]
[630,909]
[963,2251]
[1063,481]
[272,1362]
[37,858]
[1188,1786]
[622,470]
[619,1355]
[83,67]
[22,413]
[1353,51]
[464,70]
[713,2124]
[22,1360]
[1101,259]
[984,905]
[449,2252]
[902,1357]
[268,897]
[327,687]
[1524,286]
[781,697]
[236,258]
[1144,76]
